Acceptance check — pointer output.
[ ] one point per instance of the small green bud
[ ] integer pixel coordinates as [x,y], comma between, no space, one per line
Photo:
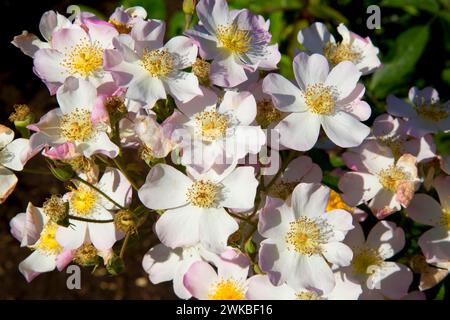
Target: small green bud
[250,247]
[189,6]
[115,266]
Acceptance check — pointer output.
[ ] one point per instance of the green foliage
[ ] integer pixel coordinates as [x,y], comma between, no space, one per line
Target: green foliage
[156,9]
[407,51]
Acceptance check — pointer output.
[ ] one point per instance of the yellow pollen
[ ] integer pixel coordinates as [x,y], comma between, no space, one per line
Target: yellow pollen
[395,144]
[267,113]
[320,99]
[122,28]
[202,193]
[21,113]
[77,125]
[365,259]
[305,237]
[432,111]
[54,208]
[338,52]
[445,219]
[210,125]
[84,58]
[227,290]
[47,243]
[392,177]
[82,200]
[282,189]
[159,63]
[335,202]
[232,38]
[308,295]
[201,70]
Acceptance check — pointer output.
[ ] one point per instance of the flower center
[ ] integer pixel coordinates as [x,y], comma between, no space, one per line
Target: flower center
[432,111]
[282,189]
[201,70]
[364,261]
[391,177]
[54,208]
[395,144]
[210,125]
[77,125]
[307,295]
[84,58]
[320,99]
[306,236]
[267,113]
[232,38]
[229,289]
[159,63]
[338,52]
[335,202]
[445,219]
[47,243]
[202,193]
[83,200]
[122,28]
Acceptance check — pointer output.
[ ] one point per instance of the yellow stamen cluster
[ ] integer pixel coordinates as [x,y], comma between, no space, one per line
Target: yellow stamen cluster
[335,202]
[125,221]
[365,260]
[229,289]
[122,28]
[82,200]
[338,52]
[305,236]
[85,255]
[320,99]
[47,243]
[80,163]
[445,219]
[84,58]
[432,111]
[77,125]
[232,38]
[201,69]
[392,177]
[159,63]
[21,113]
[267,113]
[54,208]
[395,144]
[282,189]
[115,105]
[203,193]
[308,295]
[210,125]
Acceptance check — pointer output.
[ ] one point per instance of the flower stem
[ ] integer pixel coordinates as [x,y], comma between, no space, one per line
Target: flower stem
[124,244]
[125,173]
[90,220]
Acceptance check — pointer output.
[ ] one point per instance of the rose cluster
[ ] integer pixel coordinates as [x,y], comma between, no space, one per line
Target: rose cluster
[198,139]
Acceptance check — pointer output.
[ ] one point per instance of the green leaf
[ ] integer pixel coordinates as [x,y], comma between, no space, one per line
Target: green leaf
[427,5]
[156,9]
[446,75]
[285,66]
[441,293]
[176,24]
[277,24]
[407,51]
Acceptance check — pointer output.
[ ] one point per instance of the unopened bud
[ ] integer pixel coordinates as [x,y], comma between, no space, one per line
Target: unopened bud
[21,116]
[189,6]
[57,210]
[86,255]
[115,266]
[125,221]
